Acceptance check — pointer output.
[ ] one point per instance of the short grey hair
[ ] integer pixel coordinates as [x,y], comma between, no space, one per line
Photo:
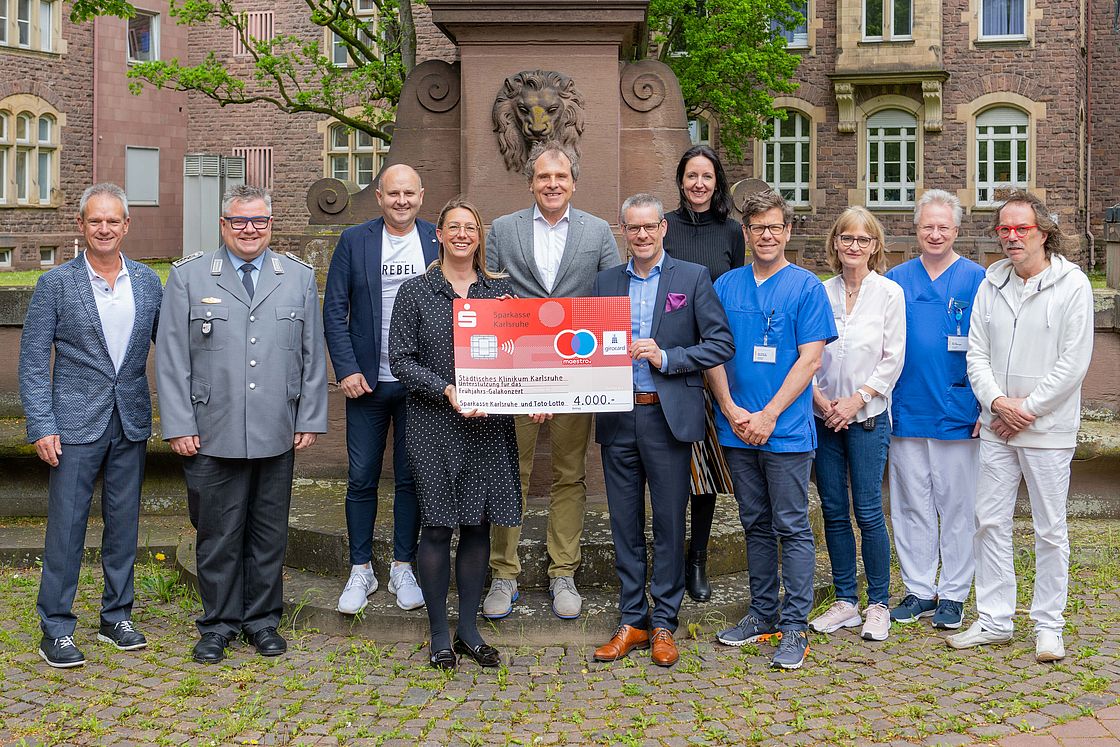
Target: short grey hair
[104,188]
[641,200]
[245,193]
[939,197]
[554,147]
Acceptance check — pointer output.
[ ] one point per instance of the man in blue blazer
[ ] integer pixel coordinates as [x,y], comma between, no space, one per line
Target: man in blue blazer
[98,312]
[678,330]
[370,263]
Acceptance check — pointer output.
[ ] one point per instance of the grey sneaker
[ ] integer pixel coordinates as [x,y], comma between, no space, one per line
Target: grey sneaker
[499,601]
[355,595]
[566,601]
[792,650]
[949,615]
[402,582]
[749,630]
[911,608]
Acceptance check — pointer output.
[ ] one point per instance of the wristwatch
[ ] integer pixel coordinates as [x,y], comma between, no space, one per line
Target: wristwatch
[864,396]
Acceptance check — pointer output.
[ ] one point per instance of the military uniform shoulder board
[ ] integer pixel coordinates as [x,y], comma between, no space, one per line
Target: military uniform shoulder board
[277,265]
[186,259]
[299,259]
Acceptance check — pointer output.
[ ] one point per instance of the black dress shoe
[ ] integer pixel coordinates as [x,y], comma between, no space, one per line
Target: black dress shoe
[442,659]
[210,649]
[61,653]
[485,654]
[122,635]
[696,577]
[268,642]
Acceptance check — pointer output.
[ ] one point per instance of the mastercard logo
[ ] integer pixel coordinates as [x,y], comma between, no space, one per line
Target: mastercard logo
[575,343]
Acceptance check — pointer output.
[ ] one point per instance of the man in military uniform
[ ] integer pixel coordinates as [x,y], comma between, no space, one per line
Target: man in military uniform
[242,380]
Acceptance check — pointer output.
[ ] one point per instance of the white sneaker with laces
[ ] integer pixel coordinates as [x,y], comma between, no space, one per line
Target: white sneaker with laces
[1048,646]
[840,615]
[402,582]
[878,625]
[975,636]
[355,595]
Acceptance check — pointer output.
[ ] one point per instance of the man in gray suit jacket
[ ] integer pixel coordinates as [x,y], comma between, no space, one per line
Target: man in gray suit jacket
[98,312]
[550,250]
[242,380]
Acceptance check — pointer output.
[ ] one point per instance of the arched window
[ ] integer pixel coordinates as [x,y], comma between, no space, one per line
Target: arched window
[353,155]
[1001,151]
[786,158]
[892,144]
[29,145]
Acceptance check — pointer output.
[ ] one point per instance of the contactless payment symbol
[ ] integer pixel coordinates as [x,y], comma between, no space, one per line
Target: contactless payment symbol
[575,343]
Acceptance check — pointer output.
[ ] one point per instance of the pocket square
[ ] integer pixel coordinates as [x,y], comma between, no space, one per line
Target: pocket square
[674,301]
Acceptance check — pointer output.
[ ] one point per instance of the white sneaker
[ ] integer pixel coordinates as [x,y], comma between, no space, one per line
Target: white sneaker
[975,636]
[1048,646]
[499,601]
[355,595]
[878,625]
[566,601]
[402,582]
[840,615]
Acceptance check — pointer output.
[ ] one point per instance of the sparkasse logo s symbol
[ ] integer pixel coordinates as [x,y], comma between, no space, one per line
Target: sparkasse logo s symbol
[466,317]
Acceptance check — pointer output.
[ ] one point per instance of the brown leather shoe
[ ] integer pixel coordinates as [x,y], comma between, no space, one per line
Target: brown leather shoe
[626,639]
[664,652]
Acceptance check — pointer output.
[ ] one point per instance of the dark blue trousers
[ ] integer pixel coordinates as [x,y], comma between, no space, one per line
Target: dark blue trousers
[70,496]
[367,430]
[645,451]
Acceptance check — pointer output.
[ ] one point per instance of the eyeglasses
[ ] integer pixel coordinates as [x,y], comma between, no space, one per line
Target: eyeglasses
[1021,232]
[241,222]
[930,230]
[634,229]
[469,229]
[846,240]
[757,229]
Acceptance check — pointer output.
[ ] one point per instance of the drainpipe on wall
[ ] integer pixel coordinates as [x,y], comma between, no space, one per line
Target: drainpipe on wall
[1089,135]
[96,62]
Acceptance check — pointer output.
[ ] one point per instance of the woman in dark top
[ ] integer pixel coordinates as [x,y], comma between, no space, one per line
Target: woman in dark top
[464,462]
[702,230]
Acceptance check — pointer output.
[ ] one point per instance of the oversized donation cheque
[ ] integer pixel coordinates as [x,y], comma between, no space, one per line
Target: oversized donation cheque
[528,355]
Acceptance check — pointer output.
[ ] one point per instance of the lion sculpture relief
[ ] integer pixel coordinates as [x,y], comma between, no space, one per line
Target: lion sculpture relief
[536,105]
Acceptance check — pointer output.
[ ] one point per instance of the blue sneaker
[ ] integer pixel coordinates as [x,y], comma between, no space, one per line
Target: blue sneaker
[749,630]
[948,615]
[792,650]
[911,608]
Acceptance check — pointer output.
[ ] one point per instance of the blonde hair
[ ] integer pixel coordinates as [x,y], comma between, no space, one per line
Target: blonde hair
[478,261]
[861,217]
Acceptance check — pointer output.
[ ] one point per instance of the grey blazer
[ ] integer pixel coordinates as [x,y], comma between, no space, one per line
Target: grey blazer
[243,375]
[590,248]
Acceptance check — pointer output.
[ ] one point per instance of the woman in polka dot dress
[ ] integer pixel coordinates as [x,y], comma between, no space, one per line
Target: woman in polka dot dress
[464,462]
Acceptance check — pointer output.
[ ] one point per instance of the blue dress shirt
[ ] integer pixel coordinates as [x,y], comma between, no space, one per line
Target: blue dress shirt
[643,300]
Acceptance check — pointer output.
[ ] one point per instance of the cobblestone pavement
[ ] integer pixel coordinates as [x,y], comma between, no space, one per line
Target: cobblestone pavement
[337,690]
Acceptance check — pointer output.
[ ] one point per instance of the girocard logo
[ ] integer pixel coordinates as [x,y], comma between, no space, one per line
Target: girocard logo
[575,343]
[466,317]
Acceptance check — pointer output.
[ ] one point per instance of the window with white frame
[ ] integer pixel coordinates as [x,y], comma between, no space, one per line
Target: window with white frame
[47,255]
[5,257]
[3,22]
[366,13]
[28,156]
[353,155]
[1001,152]
[797,37]
[46,25]
[887,19]
[700,131]
[30,24]
[892,144]
[786,158]
[141,175]
[143,37]
[1003,19]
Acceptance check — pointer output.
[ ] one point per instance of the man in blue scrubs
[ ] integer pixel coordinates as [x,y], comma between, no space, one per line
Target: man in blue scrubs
[934,416]
[781,320]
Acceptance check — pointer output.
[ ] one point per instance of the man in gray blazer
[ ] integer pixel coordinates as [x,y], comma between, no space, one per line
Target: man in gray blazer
[90,413]
[242,380]
[550,250]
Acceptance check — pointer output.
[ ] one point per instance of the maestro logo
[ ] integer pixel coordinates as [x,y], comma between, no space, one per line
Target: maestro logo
[575,343]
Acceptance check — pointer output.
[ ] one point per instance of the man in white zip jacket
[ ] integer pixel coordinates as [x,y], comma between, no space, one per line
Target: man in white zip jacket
[1029,347]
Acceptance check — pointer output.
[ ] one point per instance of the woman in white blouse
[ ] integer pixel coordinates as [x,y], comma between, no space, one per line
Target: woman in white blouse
[850,400]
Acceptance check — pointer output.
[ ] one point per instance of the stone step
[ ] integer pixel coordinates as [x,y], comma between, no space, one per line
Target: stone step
[21,539]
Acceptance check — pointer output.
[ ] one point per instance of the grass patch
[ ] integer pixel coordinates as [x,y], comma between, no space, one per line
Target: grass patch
[27,278]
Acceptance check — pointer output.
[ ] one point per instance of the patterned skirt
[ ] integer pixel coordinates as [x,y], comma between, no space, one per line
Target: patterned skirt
[709,469]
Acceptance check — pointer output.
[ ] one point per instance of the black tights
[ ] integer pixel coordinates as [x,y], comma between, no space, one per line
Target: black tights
[433,561]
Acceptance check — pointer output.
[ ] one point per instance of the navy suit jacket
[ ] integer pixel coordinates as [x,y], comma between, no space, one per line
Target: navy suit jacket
[352,300]
[76,402]
[695,336]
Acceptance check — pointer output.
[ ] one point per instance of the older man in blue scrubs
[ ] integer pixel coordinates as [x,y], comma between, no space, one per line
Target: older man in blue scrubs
[934,416]
[781,320]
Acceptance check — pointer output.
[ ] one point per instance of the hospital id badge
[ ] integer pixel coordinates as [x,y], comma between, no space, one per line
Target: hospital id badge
[958,344]
[765,354]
